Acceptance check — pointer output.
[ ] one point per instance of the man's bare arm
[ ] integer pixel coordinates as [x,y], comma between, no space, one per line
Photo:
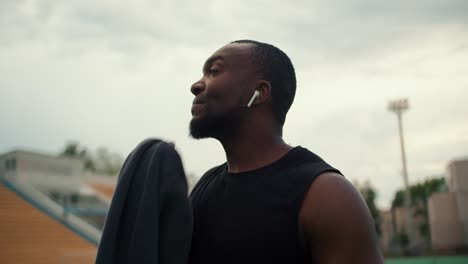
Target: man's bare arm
[337,223]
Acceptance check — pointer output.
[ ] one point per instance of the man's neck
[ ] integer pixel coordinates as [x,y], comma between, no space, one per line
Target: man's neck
[253,151]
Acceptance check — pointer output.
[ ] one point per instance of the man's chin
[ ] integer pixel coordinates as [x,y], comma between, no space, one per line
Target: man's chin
[199,129]
[197,135]
[213,127]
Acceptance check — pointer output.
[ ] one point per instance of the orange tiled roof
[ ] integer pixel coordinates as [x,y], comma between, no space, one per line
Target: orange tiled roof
[105,189]
[28,235]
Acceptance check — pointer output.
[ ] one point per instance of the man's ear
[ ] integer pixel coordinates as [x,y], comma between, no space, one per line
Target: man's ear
[264,88]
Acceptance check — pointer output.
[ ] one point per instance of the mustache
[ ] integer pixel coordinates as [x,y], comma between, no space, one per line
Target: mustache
[199,101]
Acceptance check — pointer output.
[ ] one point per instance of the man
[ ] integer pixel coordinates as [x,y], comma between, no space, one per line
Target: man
[270,202]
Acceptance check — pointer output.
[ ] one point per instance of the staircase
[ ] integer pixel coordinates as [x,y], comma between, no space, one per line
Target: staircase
[31,232]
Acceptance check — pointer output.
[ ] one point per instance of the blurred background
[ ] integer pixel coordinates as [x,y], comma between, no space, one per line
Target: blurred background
[382,91]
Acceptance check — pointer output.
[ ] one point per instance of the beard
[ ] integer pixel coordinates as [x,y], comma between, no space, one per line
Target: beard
[221,126]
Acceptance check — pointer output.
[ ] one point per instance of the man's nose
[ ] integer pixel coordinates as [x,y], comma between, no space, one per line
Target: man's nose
[197,88]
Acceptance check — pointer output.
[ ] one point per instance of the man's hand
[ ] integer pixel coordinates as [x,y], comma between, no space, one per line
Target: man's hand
[172,144]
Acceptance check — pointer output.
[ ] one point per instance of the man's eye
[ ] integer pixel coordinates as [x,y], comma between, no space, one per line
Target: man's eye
[213,71]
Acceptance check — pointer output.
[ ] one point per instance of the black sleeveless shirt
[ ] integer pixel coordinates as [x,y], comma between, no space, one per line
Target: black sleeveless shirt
[252,217]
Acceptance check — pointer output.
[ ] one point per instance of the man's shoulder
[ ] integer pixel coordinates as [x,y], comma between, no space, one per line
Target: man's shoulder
[307,162]
[214,171]
[334,213]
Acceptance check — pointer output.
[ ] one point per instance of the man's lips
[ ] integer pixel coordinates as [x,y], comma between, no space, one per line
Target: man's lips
[198,101]
[197,108]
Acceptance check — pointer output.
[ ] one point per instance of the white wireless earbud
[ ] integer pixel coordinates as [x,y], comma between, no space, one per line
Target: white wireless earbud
[255,95]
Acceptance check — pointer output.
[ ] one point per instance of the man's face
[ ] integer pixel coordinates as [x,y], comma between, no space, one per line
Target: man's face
[222,93]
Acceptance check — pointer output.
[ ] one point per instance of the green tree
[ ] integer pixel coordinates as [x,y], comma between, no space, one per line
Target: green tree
[74,150]
[108,162]
[102,161]
[369,194]
[71,149]
[403,239]
[420,194]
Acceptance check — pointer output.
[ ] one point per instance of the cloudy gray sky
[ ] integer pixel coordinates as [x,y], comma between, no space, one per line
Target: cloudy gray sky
[111,73]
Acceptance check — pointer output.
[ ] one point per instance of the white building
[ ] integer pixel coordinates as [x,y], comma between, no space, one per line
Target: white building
[42,171]
[448,212]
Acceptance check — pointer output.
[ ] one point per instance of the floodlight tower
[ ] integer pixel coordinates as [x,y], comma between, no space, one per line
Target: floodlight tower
[398,107]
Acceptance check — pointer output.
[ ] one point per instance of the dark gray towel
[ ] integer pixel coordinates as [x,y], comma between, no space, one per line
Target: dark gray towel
[150,220]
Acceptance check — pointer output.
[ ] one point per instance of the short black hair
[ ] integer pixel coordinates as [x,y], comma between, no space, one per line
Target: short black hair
[276,68]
